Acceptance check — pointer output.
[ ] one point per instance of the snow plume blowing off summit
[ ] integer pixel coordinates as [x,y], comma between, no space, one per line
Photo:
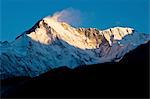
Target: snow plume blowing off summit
[69,15]
[52,43]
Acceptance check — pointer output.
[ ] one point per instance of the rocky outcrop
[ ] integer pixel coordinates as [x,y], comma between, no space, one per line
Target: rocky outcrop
[51,44]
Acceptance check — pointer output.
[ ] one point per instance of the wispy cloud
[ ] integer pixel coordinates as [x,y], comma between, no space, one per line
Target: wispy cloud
[70,16]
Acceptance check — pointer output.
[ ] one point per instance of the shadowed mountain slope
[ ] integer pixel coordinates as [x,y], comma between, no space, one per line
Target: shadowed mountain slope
[129,78]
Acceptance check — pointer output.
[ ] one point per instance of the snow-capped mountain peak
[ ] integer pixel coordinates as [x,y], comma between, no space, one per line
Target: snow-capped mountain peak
[116,33]
[49,28]
[51,43]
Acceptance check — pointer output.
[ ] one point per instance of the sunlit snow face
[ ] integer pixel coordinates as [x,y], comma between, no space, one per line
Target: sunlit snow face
[70,16]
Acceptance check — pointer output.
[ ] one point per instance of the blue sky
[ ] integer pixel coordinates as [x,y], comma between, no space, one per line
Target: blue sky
[19,15]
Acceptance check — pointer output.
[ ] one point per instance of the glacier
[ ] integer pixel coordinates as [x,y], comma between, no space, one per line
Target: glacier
[51,44]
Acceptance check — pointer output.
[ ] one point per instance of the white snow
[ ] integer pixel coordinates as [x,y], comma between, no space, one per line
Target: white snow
[54,44]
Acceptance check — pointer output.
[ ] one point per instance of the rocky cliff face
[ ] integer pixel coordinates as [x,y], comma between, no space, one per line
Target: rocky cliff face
[50,44]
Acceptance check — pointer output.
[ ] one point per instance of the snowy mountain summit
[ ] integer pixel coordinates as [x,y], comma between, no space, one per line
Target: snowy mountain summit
[51,43]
